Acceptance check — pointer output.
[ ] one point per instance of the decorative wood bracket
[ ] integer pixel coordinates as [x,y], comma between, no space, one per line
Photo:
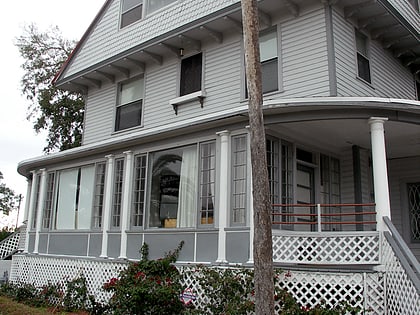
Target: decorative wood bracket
[199,95]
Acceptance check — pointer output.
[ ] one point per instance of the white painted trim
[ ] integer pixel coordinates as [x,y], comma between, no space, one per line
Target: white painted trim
[107,204]
[126,202]
[30,210]
[186,98]
[380,172]
[42,190]
[223,195]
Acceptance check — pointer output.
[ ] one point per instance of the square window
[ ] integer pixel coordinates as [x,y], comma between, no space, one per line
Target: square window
[131,11]
[191,72]
[130,104]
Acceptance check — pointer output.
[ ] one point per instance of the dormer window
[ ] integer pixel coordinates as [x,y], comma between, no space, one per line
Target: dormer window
[131,11]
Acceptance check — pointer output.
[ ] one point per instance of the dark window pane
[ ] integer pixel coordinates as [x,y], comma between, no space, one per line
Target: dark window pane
[131,16]
[363,67]
[269,75]
[128,115]
[191,74]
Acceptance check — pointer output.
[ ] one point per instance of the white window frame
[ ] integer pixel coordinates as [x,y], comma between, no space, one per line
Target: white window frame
[136,101]
[363,56]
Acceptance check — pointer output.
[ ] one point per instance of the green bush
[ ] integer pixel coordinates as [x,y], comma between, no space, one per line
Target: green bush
[147,286]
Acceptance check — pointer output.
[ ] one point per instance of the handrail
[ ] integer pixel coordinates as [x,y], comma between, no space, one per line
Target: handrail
[403,246]
[318,215]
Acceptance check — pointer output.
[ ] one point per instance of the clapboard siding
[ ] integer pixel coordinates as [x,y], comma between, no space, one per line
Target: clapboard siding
[99,114]
[107,40]
[389,77]
[304,56]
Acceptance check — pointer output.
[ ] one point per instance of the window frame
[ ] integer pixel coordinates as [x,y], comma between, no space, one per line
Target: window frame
[211,181]
[363,67]
[136,102]
[117,193]
[182,92]
[242,194]
[123,12]
[139,191]
[99,196]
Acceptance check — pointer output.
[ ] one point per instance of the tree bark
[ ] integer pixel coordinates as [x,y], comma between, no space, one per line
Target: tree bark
[263,249]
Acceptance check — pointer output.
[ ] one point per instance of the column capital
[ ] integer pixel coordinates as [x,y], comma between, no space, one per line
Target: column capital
[373,120]
[109,156]
[128,152]
[223,133]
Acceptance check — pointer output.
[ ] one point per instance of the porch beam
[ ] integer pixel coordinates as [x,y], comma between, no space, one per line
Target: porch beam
[380,172]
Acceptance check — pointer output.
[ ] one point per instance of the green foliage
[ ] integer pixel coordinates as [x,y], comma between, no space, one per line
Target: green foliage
[57,111]
[76,296]
[8,199]
[229,291]
[147,286]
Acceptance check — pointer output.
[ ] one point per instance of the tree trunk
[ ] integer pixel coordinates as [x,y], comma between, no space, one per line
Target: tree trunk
[263,249]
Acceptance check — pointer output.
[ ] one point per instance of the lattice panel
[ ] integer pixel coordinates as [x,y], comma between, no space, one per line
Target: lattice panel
[41,270]
[9,245]
[402,296]
[326,249]
[309,288]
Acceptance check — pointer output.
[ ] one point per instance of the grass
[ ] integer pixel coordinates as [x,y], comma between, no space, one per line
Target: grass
[10,307]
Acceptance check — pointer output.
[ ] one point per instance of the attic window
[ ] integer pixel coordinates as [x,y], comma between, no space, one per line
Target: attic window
[131,11]
[154,5]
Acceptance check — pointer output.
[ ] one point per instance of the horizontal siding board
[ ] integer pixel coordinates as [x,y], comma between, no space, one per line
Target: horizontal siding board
[99,114]
[304,56]
[389,77]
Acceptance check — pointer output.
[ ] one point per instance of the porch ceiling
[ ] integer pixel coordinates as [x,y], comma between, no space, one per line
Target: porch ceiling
[402,139]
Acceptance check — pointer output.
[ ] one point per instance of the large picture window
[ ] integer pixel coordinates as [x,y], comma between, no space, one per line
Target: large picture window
[129,105]
[74,198]
[173,196]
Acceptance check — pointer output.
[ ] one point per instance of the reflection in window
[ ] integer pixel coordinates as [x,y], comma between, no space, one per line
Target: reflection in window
[363,68]
[269,61]
[173,193]
[131,11]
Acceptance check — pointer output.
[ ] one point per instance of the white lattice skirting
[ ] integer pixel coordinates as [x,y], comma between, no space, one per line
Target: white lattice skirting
[309,288]
[9,245]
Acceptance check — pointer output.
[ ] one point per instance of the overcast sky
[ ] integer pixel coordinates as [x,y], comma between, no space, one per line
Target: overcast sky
[18,140]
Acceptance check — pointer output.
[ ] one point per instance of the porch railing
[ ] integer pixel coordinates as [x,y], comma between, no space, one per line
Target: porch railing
[324,217]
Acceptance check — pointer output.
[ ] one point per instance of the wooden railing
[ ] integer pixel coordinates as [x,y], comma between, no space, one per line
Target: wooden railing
[283,215]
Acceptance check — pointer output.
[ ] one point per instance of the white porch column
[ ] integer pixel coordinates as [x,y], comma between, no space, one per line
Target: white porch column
[223,195]
[40,208]
[380,172]
[107,204]
[126,202]
[31,209]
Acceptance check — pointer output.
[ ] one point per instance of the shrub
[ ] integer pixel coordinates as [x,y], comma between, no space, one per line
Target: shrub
[147,286]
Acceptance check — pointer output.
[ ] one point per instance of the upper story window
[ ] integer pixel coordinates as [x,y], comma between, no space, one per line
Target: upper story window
[129,104]
[131,11]
[363,67]
[154,5]
[269,60]
[191,74]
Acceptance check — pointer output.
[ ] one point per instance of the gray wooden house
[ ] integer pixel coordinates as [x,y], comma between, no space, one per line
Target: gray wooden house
[165,154]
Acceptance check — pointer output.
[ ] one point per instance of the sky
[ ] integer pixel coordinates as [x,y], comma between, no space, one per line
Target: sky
[18,140]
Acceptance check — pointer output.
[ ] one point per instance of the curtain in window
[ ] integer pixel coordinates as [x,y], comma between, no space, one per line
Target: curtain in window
[186,216]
